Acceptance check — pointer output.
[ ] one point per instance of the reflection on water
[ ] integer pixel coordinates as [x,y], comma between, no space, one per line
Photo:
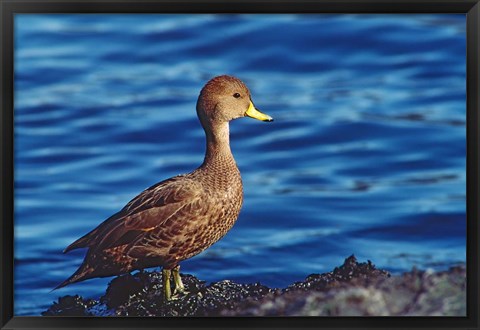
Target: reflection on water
[366,154]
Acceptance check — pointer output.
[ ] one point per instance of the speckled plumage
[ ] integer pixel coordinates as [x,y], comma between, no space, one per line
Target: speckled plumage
[181,216]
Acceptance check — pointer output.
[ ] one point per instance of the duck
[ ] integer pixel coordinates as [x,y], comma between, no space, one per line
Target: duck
[182,216]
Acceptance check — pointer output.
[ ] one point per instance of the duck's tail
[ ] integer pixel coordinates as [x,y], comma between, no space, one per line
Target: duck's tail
[84,272]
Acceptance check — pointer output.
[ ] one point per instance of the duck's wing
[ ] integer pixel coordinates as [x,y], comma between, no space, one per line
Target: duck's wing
[146,212]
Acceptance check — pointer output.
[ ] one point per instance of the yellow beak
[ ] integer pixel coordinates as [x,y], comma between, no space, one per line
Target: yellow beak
[254,113]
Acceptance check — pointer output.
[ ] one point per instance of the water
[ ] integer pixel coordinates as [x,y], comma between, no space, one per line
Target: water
[366,154]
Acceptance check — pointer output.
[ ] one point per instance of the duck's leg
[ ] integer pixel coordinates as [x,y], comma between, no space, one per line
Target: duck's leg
[179,287]
[166,284]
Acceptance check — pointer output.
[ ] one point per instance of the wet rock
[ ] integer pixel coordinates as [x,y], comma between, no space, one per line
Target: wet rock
[70,306]
[416,293]
[350,270]
[352,289]
[123,288]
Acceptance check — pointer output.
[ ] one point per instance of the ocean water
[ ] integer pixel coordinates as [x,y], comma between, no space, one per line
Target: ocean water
[366,155]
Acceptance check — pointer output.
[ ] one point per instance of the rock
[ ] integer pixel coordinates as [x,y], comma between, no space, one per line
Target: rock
[70,306]
[353,289]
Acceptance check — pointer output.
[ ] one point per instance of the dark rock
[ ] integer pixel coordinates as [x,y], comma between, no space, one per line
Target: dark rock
[352,289]
[122,288]
[70,306]
[351,269]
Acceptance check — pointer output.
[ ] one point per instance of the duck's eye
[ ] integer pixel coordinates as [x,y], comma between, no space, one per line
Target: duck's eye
[236,95]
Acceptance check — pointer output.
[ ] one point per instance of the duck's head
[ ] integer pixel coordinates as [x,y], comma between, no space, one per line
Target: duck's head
[225,98]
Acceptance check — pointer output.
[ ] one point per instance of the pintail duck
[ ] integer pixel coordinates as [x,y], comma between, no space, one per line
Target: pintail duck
[180,217]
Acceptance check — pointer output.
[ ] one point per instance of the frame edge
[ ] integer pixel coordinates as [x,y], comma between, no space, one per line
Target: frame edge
[473,183]
[6,151]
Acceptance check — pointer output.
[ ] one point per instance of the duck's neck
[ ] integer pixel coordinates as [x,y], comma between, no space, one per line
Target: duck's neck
[218,145]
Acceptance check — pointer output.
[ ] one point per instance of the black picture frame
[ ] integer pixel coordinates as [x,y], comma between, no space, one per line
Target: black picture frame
[8,9]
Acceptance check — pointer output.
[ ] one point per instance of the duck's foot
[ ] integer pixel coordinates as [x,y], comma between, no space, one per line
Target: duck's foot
[179,294]
[179,289]
[177,279]
[167,291]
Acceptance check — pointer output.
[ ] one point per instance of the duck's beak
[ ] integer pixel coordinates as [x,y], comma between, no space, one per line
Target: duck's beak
[254,113]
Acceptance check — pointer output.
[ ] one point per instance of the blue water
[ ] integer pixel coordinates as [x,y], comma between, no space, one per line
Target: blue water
[366,154]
